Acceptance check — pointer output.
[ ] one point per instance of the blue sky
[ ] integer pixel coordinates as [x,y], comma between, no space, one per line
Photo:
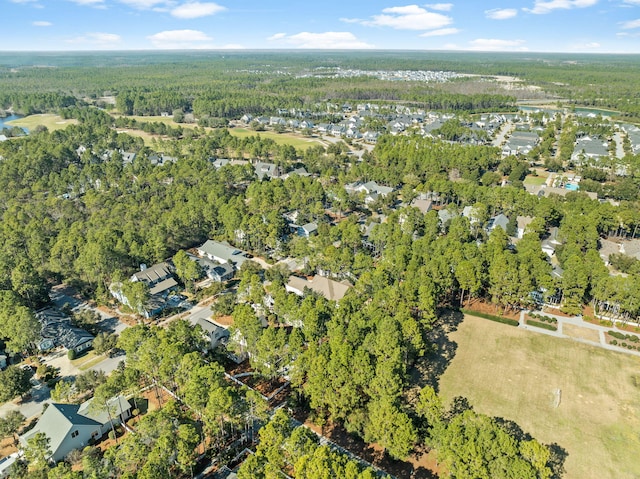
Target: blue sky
[598,26]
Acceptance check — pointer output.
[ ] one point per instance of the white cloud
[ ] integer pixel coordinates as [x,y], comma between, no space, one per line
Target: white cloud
[276,36]
[180,39]
[41,24]
[409,17]
[630,24]
[501,13]
[631,2]
[442,7]
[542,6]
[196,10]
[89,3]
[592,45]
[440,32]
[97,40]
[493,44]
[321,41]
[24,1]
[143,4]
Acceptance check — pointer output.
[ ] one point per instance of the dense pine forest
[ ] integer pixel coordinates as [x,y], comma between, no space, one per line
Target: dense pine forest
[74,212]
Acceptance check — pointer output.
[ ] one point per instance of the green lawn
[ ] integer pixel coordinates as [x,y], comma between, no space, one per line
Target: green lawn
[280,138]
[51,121]
[535,180]
[515,374]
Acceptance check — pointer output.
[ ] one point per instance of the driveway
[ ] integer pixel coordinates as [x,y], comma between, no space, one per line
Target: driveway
[61,295]
[40,394]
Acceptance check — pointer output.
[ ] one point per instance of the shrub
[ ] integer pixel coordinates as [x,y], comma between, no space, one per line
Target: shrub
[538,324]
[71,354]
[498,319]
[613,342]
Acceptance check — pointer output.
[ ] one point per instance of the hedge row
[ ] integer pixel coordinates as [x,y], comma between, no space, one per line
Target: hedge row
[624,345]
[544,318]
[629,337]
[538,324]
[497,319]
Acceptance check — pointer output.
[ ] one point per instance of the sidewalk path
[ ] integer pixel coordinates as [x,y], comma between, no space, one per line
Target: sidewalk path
[575,321]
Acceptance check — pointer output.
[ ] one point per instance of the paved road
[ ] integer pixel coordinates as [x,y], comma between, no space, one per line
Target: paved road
[40,395]
[505,129]
[61,295]
[576,321]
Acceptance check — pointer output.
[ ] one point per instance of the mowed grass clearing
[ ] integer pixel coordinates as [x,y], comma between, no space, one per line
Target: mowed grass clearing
[279,138]
[51,121]
[514,374]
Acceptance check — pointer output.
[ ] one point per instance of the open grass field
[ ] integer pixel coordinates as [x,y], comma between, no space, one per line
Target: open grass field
[535,180]
[280,138]
[51,121]
[515,374]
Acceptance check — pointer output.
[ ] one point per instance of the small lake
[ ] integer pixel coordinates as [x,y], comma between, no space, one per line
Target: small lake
[577,111]
[6,119]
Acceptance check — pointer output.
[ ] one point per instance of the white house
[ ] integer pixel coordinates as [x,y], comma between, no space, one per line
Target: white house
[72,426]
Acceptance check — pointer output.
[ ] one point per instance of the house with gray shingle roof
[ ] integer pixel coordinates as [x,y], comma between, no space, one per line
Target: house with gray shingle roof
[57,330]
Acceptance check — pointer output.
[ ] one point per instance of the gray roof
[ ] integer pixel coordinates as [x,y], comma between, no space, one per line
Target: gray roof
[445,215]
[99,413]
[500,220]
[265,169]
[163,286]
[154,274]
[58,328]
[223,251]
[57,421]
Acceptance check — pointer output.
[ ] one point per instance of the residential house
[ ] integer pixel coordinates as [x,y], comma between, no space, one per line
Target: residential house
[370,189]
[550,243]
[371,136]
[73,426]
[159,278]
[221,272]
[161,159]
[268,170]
[57,330]
[500,221]
[587,148]
[471,213]
[222,252]
[246,118]
[307,230]
[331,290]
[219,162]
[422,203]
[127,157]
[522,223]
[215,333]
[445,216]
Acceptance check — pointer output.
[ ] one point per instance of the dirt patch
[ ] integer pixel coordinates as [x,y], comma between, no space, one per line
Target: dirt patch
[556,311]
[7,447]
[421,465]
[224,320]
[480,306]
[581,333]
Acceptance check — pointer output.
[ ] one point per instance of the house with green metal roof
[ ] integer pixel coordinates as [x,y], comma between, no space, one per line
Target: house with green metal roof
[73,426]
